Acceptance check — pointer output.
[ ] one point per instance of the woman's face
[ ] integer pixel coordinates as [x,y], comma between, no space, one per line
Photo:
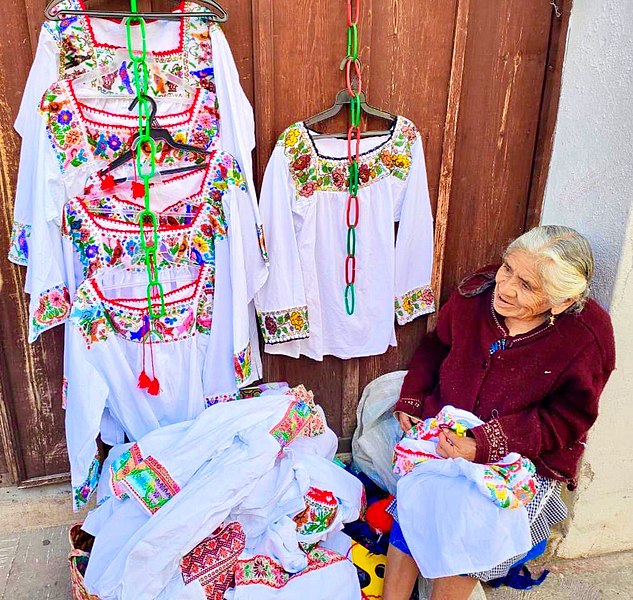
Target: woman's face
[518,292]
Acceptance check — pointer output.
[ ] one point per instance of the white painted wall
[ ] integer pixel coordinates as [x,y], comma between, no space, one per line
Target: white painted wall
[590,188]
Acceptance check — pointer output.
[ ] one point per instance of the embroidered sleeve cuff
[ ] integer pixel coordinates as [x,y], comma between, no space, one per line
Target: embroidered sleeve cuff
[414,304]
[409,406]
[492,442]
[284,325]
[53,309]
[19,247]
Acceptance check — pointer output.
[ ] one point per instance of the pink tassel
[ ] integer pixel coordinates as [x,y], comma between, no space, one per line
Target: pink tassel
[144,382]
[154,387]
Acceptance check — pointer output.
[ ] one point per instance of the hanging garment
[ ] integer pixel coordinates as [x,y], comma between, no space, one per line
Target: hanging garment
[207,480]
[303,205]
[104,232]
[458,516]
[112,347]
[193,49]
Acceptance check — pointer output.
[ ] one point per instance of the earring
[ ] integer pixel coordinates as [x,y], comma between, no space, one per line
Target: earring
[552,319]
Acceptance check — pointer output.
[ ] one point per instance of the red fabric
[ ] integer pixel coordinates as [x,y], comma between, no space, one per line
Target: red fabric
[539,397]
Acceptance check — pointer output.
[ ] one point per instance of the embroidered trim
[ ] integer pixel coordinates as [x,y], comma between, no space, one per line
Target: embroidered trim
[53,309]
[412,402]
[312,172]
[242,365]
[151,484]
[283,325]
[64,392]
[263,570]
[316,424]
[212,561]
[415,303]
[497,440]
[122,467]
[293,423]
[319,514]
[82,493]
[261,238]
[519,483]
[98,318]
[210,401]
[19,245]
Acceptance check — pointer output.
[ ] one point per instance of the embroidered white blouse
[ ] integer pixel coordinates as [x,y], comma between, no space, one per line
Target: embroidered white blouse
[303,203]
[192,49]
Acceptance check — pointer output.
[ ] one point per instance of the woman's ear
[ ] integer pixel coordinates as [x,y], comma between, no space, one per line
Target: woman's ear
[558,309]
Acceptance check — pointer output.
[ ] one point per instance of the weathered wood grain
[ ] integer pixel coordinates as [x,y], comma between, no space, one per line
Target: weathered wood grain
[479,79]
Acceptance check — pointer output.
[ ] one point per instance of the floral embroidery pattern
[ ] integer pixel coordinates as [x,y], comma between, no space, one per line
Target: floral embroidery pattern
[316,424]
[511,485]
[98,244]
[319,514]
[19,245]
[262,243]
[220,398]
[311,172]
[97,318]
[122,467]
[413,304]
[263,570]
[293,423]
[242,365]
[64,392]
[80,53]
[151,484]
[82,493]
[77,140]
[53,309]
[283,325]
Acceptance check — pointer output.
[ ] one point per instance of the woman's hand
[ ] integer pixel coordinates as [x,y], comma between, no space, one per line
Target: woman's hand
[450,445]
[406,421]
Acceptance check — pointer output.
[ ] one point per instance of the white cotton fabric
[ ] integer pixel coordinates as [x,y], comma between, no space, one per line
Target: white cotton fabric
[245,480]
[307,245]
[450,527]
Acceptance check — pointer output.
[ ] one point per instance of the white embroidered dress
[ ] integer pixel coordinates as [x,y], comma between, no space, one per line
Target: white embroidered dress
[303,206]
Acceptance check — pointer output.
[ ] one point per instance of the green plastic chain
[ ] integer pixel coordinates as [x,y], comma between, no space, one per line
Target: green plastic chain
[353,139]
[146,169]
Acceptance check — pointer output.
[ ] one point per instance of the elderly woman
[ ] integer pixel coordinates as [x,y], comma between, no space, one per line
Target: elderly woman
[523,348]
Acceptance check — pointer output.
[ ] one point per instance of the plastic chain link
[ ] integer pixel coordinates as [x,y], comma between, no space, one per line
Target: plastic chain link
[353,152]
[145,169]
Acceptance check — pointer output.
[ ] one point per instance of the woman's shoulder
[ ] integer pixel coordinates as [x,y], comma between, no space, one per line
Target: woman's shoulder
[594,323]
[478,282]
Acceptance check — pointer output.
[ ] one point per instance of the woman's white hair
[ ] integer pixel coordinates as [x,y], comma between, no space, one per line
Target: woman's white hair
[565,262]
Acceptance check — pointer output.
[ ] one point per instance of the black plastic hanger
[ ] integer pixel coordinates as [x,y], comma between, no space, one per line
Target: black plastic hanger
[343,99]
[157,134]
[215,12]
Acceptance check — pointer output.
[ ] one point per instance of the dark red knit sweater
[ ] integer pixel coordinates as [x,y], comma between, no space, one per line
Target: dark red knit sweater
[538,397]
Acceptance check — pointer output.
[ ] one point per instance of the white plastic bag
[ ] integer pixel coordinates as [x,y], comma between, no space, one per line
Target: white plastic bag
[378,430]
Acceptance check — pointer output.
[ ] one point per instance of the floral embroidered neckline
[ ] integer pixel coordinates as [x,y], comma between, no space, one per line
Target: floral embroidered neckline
[311,171]
[188,310]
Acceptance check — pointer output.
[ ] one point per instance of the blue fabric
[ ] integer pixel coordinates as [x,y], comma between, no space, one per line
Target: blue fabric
[397,538]
[519,576]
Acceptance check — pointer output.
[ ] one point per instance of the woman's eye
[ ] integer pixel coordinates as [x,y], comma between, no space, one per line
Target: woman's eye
[526,287]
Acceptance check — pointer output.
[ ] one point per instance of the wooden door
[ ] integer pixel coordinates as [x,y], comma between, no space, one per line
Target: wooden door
[479,79]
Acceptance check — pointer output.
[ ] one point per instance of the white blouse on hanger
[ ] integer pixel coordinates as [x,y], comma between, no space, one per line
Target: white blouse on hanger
[192,49]
[303,206]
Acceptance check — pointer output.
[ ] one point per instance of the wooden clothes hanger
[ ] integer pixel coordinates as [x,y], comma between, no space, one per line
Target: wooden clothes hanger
[157,134]
[215,12]
[343,99]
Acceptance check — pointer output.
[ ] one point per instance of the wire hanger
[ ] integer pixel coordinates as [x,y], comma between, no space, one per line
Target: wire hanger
[157,134]
[215,12]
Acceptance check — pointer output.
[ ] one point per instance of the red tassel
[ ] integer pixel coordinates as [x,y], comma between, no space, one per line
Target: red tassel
[144,381]
[108,182]
[138,189]
[154,387]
